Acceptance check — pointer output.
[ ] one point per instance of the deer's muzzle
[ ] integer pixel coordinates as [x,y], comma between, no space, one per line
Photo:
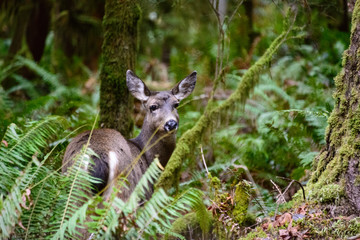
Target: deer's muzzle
[170,125]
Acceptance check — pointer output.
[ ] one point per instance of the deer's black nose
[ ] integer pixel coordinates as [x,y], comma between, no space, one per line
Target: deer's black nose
[170,125]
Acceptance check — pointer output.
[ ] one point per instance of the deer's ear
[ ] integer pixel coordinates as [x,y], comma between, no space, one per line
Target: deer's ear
[137,87]
[185,87]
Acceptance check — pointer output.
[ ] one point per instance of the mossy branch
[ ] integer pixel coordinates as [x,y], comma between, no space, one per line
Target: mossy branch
[191,137]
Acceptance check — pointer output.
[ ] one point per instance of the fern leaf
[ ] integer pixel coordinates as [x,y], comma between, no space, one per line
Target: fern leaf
[23,145]
[47,76]
[75,198]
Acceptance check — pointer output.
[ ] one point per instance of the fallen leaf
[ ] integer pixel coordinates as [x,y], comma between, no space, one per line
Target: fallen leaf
[265,226]
[293,231]
[302,209]
[283,233]
[282,220]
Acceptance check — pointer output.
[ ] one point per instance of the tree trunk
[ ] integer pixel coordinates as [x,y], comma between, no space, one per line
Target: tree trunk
[336,178]
[20,23]
[119,47]
[38,28]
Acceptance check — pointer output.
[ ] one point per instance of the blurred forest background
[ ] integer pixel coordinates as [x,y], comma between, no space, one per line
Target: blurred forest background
[50,62]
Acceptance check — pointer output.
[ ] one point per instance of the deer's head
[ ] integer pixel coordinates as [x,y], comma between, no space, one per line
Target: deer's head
[161,113]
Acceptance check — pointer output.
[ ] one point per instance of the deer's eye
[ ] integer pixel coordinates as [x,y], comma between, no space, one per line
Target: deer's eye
[153,108]
[176,105]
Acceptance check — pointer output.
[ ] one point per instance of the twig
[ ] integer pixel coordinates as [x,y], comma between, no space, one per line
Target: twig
[354,237]
[281,196]
[288,179]
[278,198]
[288,187]
[281,11]
[234,12]
[215,9]
[220,44]
[203,158]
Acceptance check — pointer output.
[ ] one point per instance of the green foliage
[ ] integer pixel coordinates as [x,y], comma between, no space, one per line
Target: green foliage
[277,131]
[37,202]
[46,94]
[285,119]
[21,169]
[73,199]
[129,220]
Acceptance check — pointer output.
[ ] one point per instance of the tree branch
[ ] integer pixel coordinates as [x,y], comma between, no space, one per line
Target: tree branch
[190,138]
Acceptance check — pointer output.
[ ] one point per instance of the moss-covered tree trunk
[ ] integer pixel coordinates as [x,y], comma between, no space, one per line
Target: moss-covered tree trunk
[119,47]
[336,177]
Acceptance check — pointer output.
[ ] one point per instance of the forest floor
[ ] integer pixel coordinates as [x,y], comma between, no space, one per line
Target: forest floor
[307,221]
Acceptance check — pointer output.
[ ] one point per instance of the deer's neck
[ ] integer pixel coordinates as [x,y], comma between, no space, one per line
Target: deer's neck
[158,144]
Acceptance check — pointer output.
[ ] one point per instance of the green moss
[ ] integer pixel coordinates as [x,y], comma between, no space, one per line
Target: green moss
[327,228]
[344,229]
[329,173]
[297,200]
[258,233]
[189,222]
[120,25]
[330,193]
[354,125]
[357,181]
[356,17]
[181,224]
[327,181]
[214,182]
[241,199]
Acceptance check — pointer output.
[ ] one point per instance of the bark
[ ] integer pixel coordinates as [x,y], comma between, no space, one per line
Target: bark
[20,24]
[38,28]
[77,28]
[336,177]
[119,47]
[344,25]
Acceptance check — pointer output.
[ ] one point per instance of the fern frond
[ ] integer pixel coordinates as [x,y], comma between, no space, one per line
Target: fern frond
[20,169]
[18,200]
[10,207]
[147,180]
[262,88]
[23,145]
[9,69]
[129,220]
[37,218]
[48,77]
[156,215]
[23,84]
[5,101]
[109,217]
[75,199]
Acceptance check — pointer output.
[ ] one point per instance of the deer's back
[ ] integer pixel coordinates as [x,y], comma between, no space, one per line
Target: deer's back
[116,156]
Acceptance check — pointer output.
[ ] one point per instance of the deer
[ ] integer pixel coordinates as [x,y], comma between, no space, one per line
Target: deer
[115,154]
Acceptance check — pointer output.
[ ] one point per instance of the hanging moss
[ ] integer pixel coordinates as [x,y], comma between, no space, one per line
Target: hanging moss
[191,137]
